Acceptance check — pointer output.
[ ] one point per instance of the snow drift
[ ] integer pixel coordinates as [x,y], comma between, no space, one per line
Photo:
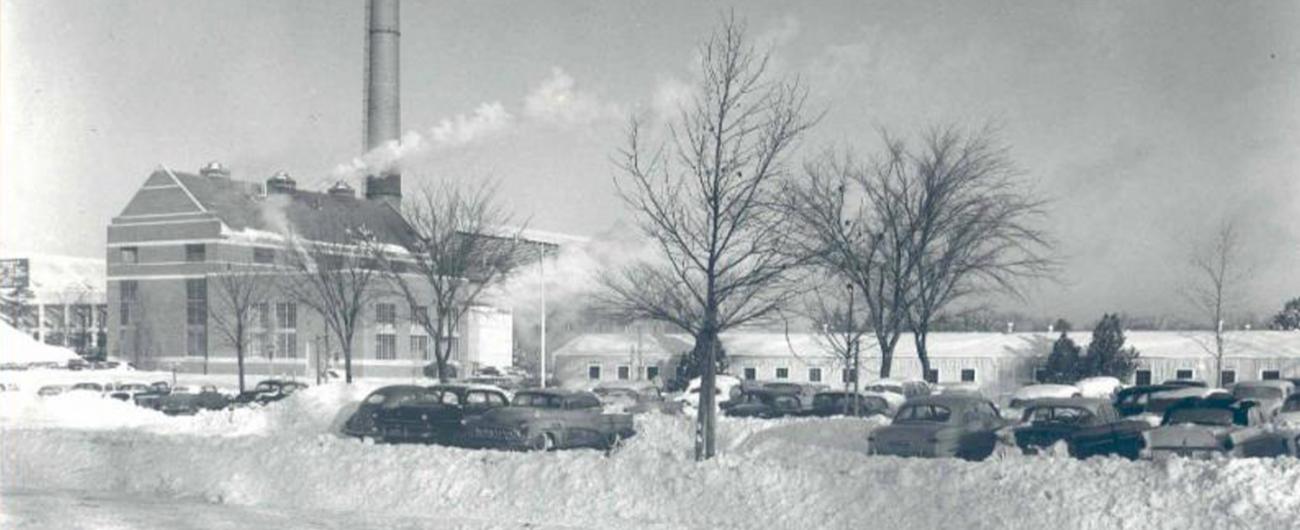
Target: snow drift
[17,347]
[795,473]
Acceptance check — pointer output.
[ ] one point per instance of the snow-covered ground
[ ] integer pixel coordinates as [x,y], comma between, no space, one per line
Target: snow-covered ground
[115,465]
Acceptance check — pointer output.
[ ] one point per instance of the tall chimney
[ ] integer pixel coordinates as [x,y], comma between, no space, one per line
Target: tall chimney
[383,102]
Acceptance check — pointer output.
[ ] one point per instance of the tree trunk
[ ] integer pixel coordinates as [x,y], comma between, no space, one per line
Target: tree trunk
[886,360]
[705,444]
[923,355]
[347,360]
[239,358]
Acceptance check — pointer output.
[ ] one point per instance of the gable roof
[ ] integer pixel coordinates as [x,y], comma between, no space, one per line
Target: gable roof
[241,206]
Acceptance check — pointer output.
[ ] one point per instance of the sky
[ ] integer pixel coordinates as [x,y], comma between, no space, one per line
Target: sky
[1144,124]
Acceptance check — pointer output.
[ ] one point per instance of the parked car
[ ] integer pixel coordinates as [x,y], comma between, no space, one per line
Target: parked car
[128,391]
[1269,394]
[1089,426]
[187,400]
[500,381]
[723,391]
[908,388]
[152,399]
[436,414]
[268,391]
[362,424]
[805,391]
[1289,414]
[1099,387]
[1133,400]
[633,397]
[960,425]
[9,387]
[840,402]
[765,403]
[1204,428]
[958,387]
[1024,395]
[51,390]
[545,420]
[87,387]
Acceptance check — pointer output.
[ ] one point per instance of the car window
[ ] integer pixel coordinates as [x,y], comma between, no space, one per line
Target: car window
[786,402]
[1257,392]
[475,398]
[923,413]
[496,400]
[449,398]
[1292,404]
[1200,416]
[537,400]
[1066,415]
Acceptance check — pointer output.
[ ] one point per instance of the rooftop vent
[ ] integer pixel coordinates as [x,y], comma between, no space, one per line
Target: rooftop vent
[280,182]
[341,189]
[214,169]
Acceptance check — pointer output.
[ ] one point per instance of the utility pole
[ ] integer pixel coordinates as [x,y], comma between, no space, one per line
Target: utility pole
[541,268]
[852,345]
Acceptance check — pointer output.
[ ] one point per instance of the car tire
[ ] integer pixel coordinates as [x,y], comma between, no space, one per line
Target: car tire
[542,441]
[614,443]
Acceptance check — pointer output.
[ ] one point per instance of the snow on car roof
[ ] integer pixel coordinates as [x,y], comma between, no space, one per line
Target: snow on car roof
[1045,391]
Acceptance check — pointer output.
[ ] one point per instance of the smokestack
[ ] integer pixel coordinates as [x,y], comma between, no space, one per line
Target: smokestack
[383,102]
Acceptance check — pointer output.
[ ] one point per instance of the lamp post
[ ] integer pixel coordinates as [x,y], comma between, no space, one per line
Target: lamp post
[852,346]
[541,270]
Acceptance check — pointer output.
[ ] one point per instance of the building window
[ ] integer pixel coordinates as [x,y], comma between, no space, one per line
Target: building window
[652,372]
[196,253]
[129,289]
[751,374]
[1142,377]
[1270,375]
[815,375]
[1228,377]
[782,373]
[593,372]
[1183,374]
[419,314]
[932,377]
[286,329]
[259,337]
[130,255]
[420,347]
[385,314]
[196,317]
[968,375]
[846,376]
[263,255]
[624,373]
[386,347]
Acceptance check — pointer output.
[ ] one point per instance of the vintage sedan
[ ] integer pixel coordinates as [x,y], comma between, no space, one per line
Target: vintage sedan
[361,423]
[633,397]
[1024,395]
[1268,393]
[1213,427]
[1133,400]
[765,403]
[186,400]
[1088,426]
[960,425]
[840,402]
[545,420]
[908,388]
[268,391]
[437,414]
[128,391]
[51,390]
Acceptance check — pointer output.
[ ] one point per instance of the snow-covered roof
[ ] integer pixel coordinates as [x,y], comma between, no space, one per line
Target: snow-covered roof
[17,347]
[622,345]
[941,345]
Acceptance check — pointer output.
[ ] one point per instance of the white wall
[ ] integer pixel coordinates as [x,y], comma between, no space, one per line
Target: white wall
[491,339]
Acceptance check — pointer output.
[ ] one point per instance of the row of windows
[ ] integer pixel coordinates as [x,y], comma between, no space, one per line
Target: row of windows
[386,347]
[624,372]
[197,253]
[386,314]
[1143,377]
[846,376]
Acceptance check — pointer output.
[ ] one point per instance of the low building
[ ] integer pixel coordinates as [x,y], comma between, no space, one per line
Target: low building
[592,358]
[999,362]
[64,301]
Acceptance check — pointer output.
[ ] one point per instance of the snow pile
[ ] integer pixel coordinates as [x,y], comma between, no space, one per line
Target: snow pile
[791,473]
[17,347]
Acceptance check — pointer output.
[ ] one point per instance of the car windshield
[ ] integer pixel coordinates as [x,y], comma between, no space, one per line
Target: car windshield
[897,389]
[1200,416]
[265,387]
[1066,415]
[1292,404]
[546,401]
[616,393]
[920,413]
[1257,392]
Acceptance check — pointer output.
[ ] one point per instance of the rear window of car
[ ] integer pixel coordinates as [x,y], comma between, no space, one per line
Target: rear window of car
[537,400]
[919,413]
[1211,417]
[1068,415]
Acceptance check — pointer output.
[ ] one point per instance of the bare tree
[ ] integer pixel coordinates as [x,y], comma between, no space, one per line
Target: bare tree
[706,198]
[462,245]
[972,226]
[1217,274]
[839,323]
[237,304]
[336,275]
[850,221]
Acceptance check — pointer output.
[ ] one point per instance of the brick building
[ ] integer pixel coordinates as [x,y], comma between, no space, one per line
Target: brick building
[181,229]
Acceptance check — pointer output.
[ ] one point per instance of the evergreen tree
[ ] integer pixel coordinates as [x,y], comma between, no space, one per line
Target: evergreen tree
[1107,355]
[12,302]
[1063,366]
[1289,318]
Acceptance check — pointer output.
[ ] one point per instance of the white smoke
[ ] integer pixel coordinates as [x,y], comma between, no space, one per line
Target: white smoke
[487,120]
[558,101]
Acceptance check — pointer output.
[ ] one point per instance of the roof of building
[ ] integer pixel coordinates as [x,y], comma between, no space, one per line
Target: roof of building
[950,345]
[623,345]
[317,215]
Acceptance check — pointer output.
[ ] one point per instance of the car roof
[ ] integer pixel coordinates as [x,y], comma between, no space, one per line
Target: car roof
[1271,383]
[466,386]
[1092,404]
[948,400]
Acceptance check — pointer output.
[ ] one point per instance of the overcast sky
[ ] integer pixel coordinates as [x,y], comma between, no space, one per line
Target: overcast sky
[1145,123]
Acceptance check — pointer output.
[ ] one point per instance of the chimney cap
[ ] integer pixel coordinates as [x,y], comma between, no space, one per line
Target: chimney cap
[214,169]
[341,188]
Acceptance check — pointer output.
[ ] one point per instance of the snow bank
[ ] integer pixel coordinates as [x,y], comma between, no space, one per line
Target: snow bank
[793,473]
[17,347]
